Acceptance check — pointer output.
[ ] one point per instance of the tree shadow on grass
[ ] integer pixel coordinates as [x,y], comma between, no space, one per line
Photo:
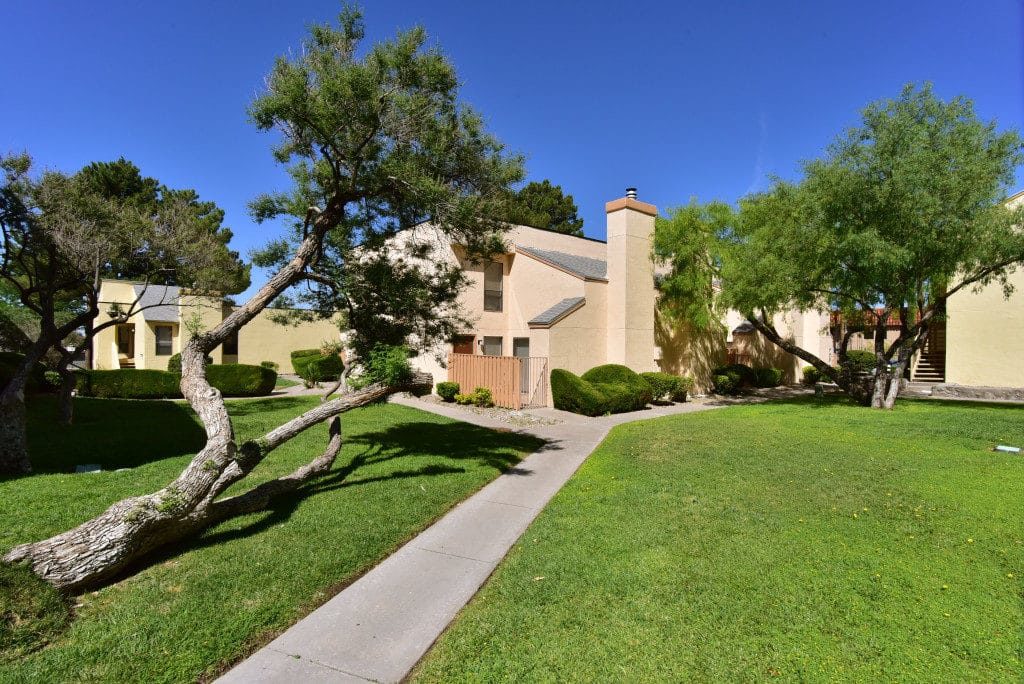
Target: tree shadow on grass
[110,433]
[461,443]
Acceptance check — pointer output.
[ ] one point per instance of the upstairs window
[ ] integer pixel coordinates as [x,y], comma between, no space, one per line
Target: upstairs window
[494,274]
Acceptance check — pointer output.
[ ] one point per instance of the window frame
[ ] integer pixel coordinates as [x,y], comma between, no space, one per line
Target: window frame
[494,300]
[170,340]
[501,345]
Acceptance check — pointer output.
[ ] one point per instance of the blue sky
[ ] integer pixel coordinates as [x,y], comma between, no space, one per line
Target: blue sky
[679,99]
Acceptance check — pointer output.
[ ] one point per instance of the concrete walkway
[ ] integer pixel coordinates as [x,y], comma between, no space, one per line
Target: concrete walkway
[380,626]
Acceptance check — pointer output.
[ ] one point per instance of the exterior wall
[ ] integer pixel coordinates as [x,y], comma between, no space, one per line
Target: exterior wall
[259,340]
[985,332]
[631,290]
[985,336]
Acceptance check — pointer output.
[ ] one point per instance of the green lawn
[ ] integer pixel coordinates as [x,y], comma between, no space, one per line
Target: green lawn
[792,541]
[195,607]
[282,383]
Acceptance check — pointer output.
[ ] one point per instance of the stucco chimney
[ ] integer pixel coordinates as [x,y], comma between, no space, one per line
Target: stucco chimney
[631,295]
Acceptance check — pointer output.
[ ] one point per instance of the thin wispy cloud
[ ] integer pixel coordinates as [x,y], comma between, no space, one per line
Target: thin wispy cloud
[757,177]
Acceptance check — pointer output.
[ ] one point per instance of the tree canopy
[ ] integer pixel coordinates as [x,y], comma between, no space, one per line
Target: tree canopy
[544,205]
[900,213]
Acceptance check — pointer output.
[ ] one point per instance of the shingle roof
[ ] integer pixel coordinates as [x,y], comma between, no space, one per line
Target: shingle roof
[557,312]
[583,267]
[160,302]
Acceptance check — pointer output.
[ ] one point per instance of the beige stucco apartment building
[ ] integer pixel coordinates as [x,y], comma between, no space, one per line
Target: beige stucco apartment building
[575,303]
[166,316]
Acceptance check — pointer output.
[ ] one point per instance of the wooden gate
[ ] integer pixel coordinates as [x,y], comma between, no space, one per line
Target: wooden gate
[503,375]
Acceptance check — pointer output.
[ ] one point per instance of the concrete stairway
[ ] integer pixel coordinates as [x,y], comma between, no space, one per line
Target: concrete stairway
[931,367]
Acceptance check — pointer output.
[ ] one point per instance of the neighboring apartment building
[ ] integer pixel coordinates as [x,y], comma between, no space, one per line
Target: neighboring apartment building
[575,303]
[164,316]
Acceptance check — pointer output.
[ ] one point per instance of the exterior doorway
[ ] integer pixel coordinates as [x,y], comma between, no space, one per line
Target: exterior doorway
[126,345]
[463,344]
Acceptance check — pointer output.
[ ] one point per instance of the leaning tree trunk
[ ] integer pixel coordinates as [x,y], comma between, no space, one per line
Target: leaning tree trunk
[106,545]
[66,400]
[14,458]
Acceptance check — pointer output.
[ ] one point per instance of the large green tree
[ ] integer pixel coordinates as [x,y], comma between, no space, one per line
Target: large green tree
[61,236]
[902,212]
[544,205]
[376,142]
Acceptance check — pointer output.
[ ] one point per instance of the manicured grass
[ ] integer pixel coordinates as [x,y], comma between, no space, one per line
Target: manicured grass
[200,605]
[798,541]
[285,382]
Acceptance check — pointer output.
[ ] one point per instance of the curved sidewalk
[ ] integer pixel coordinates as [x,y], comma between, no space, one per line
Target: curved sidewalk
[380,626]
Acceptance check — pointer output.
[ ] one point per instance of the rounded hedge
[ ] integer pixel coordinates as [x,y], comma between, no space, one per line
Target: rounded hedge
[314,366]
[859,361]
[448,390]
[233,380]
[811,375]
[174,363]
[767,377]
[667,387]
[604,389]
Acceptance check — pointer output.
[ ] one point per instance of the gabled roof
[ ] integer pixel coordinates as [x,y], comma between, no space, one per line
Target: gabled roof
[579,266]
[549,317]
[159,303]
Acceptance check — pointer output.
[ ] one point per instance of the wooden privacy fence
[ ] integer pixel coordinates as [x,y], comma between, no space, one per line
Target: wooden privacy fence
[514,382]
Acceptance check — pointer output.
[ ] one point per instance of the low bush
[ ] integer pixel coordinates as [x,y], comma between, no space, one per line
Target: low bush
[9,362]
[811,375]
[129,383]
[242,380]
[174,363]
[685,387]
[605,389]
[233,380]
[448,390]
[859,361]
[767,377]
[663,385]
[725,384]
[738,376]
[572,393]
[314,366]
[481,397]
[272,365]
[639,392]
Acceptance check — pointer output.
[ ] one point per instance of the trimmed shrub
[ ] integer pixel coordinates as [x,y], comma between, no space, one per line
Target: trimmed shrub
[272,365]
[174,363]
[9,362]
[725,384]
[739,376]
[233,380]
[859,361]
[447,390]
[767,377]
[481,397]
[129,383]
[685,387]
[811,375]
[572,393]
[663,385]
[328,366]
[605,389]
[612,373]
[242,380]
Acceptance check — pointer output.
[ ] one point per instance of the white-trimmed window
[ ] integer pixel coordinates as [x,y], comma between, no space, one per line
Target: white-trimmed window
[164,340]
[494,274]
[492,346]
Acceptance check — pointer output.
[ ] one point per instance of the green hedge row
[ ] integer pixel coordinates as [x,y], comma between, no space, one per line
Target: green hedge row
[233,380]
[315,366]
[737,376]
[605,389]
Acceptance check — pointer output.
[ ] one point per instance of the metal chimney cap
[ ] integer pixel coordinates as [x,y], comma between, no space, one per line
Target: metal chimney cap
[631,193]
